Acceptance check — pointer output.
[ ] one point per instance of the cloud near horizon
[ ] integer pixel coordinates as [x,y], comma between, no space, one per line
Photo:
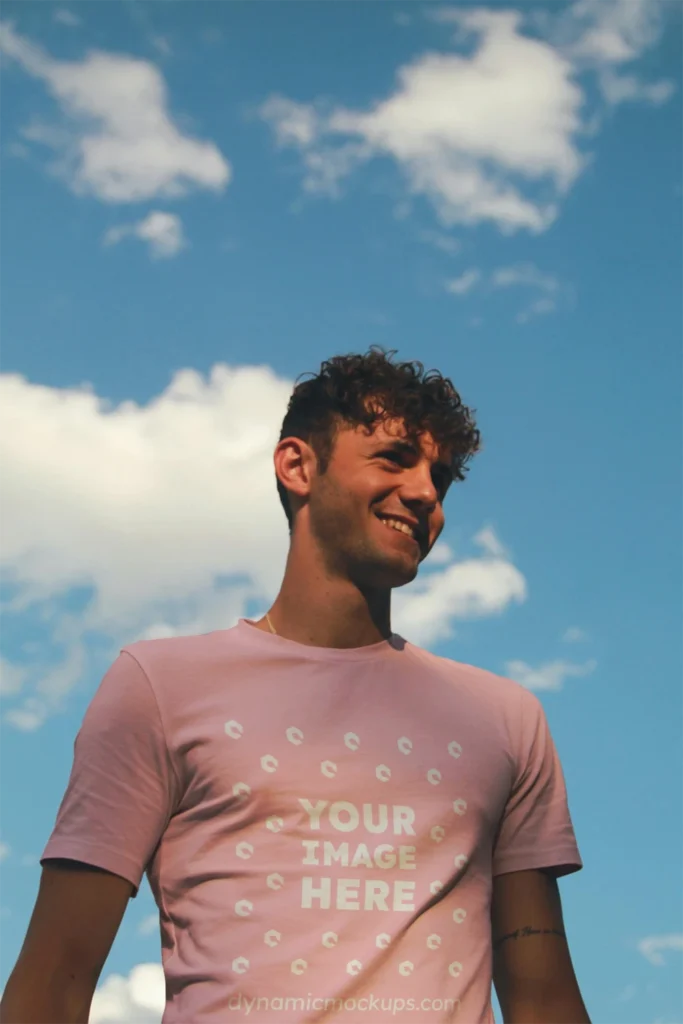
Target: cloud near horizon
[165,518]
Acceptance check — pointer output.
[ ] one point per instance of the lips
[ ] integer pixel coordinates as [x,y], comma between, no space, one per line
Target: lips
[400,533]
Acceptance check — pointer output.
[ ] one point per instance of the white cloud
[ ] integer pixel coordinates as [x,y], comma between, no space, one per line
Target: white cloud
[469,589]
[465,283]
[491,132]
[139,998]
[64,17]
[490,542]
[162,231]
[470,132]
[446,243]
[166,515]
[149,925]
[118,141]
[4,850]
[12,677]
[573,635]
[525,274]
[549,676]
[609,34]
[652,946]
[440,554]
[539,307]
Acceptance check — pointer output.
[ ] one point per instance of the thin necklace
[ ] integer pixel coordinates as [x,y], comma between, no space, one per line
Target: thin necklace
[272,628]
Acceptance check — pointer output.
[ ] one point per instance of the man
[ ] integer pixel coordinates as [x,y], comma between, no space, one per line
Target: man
[336,825]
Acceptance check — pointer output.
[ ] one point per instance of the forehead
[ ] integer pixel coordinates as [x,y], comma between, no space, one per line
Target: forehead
[391,430]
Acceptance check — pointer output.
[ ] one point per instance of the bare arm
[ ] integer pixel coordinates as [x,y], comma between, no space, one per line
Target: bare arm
[532,967]
[74,922]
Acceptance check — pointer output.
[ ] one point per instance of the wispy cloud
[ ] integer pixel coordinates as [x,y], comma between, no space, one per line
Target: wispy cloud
[4,850]
[550,675]
[654,946]
[608,36]
[148,925]
[523,276]
[528,276]
[440,240]
[116,139]
[163,232]
[62,16]
[464,283]
[574,635]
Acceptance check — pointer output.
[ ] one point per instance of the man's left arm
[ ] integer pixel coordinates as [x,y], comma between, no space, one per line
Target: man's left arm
[532,968]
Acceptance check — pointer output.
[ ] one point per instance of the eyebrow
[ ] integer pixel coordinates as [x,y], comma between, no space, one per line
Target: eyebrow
[407,448]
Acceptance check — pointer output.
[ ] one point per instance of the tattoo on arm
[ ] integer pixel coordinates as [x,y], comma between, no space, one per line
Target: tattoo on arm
[522,933]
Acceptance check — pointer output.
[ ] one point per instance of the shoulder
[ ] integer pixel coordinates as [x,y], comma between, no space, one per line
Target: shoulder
[173,652]
[488,684]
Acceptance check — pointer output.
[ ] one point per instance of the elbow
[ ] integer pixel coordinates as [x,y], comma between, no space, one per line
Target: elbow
[29,998]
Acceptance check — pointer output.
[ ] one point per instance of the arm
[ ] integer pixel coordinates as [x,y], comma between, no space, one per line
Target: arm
[74,922]
[532,967]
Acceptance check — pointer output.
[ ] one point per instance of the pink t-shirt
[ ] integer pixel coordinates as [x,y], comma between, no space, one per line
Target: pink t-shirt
[319,827]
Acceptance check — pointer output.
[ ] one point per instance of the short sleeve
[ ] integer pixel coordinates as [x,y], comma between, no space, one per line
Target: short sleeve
[123,788]
[536,829]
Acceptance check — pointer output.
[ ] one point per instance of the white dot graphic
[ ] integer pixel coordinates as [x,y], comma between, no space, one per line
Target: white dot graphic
[454,748]
[269,763]
[383,773]
[352,740]
[405,745]
[459,915]
[434,776]
[233,729]
[405,968]
[240,965]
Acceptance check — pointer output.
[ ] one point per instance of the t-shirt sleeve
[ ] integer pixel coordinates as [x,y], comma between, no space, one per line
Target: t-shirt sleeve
[123,787]
[536,829]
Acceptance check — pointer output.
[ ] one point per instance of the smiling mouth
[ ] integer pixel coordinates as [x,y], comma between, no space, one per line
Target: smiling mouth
[401,528]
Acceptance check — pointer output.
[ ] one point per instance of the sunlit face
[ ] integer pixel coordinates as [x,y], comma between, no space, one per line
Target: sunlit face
[369,479]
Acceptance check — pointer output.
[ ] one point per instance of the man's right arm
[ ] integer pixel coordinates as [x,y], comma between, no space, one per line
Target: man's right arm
[74,922]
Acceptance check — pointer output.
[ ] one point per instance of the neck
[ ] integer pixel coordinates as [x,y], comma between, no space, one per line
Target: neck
[315,608]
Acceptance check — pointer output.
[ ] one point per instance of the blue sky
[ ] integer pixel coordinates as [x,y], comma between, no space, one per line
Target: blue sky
[201,201]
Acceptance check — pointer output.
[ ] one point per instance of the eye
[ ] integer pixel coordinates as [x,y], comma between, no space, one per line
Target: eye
[392,456]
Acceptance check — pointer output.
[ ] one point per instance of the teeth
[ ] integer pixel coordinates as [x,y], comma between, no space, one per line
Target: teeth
[396,524]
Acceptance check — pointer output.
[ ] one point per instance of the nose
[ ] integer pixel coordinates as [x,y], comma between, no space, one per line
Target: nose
[419,488]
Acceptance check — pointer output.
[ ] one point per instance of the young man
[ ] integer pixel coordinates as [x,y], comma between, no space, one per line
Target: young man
[336,825]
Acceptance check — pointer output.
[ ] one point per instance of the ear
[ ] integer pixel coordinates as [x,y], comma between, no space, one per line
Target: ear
[295,465]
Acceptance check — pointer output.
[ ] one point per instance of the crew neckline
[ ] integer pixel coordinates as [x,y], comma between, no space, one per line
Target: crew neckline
[248,630]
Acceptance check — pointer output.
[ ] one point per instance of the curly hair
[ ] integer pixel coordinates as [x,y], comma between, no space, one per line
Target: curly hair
[359,390]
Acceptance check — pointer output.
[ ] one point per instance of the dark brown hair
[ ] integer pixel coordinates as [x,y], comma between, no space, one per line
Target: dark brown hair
[360,390]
